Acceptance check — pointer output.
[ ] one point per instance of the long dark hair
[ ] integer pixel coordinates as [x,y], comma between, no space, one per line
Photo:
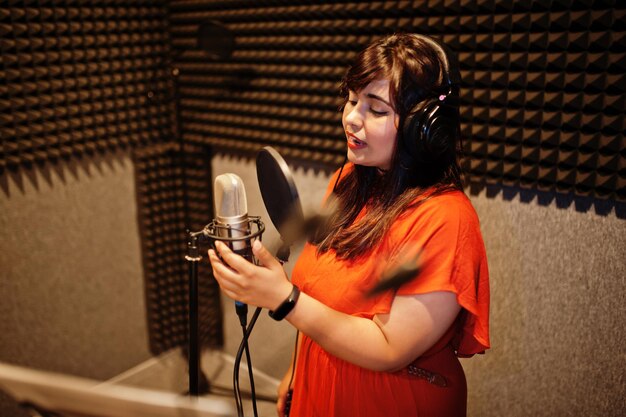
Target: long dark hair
[415,72]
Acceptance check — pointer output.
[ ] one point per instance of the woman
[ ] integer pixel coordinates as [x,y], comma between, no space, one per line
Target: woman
[394,353]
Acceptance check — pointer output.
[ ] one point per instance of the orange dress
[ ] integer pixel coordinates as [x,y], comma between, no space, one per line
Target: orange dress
[453,259]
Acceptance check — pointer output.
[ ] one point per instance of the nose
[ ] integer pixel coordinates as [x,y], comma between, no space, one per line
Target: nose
[352,117]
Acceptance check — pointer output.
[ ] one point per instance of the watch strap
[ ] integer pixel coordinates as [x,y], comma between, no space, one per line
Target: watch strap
[287,305]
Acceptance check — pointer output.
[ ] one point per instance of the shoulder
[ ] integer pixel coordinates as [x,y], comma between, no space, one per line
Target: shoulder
[446,219]
[448,207]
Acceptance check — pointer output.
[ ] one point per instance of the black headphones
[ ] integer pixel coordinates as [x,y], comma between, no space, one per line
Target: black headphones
[433,123]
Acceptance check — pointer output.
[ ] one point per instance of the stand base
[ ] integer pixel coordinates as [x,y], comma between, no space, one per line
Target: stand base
[168,371]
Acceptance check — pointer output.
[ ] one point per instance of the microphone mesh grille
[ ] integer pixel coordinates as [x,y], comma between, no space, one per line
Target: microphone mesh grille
[230,196]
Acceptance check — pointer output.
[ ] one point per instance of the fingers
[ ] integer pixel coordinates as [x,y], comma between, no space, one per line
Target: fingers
[264,256]
[232,271]
[280,406]
[262,285]
[226,277]
[230,258]
[217,264]
[239,263]
[283,405]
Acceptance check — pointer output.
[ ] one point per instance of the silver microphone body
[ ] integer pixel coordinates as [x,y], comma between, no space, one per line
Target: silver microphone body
[231,213]
[231,221]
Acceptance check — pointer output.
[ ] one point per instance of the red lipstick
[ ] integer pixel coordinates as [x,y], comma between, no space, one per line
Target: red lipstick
[355,143]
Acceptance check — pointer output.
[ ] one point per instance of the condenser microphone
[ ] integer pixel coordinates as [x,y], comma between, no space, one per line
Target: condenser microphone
[231,213]
[231,221]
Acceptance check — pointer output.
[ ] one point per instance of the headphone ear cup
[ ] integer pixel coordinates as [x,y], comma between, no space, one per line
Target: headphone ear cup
[416,127]
[430,132]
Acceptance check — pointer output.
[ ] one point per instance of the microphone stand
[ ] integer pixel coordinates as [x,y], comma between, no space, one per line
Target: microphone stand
[193,257]
[218,42]
[215,231]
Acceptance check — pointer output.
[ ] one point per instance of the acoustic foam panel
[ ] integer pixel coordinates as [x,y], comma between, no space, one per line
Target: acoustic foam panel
[77,79]
[542,95]
[161,202]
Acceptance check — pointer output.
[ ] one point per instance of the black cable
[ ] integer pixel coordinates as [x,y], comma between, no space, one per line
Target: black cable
[250,374]
[242,313]
[222,390]
[242,346]
[238,400]
[236,390]
[295,356]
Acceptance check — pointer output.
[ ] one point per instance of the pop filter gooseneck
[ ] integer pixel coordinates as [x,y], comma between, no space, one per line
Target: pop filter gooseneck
[280,195]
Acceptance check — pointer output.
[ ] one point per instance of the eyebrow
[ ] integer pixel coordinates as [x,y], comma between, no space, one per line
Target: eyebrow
[374,96]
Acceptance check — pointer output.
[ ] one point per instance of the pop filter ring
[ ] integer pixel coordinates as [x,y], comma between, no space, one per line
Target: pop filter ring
[278,188]
[279,193]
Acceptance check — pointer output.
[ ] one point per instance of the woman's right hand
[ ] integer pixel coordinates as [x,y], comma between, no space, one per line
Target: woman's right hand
[283,390]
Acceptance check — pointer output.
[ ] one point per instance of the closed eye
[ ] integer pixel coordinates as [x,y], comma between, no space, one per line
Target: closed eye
[378,113]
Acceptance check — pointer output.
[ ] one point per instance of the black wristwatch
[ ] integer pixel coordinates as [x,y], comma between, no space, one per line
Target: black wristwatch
[287,305]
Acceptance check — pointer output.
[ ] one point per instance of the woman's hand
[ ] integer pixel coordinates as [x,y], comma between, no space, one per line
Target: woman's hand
[283,389]
[265,285]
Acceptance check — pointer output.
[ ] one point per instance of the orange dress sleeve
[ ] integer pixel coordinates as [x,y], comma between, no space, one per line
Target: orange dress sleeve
[447,231]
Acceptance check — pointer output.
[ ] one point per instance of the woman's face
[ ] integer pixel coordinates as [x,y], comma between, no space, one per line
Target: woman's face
[371,126]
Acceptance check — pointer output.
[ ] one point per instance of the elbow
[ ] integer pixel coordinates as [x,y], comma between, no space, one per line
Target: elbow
[396,358]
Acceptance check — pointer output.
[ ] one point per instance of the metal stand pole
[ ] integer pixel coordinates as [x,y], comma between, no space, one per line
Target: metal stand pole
[194,358]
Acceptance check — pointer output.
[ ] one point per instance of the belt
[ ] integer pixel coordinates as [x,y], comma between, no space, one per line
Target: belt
[415,371]
[432,377]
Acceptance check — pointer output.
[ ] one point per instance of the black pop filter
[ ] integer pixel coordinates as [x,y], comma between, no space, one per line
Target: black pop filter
[279,191]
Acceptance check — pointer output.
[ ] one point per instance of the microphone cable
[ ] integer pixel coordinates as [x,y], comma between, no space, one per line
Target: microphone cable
[243,346]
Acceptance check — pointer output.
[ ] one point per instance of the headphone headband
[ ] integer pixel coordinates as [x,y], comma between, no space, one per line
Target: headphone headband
[451,73]
[431,127]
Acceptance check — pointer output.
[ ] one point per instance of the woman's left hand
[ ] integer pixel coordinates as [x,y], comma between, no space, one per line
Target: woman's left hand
[265,285]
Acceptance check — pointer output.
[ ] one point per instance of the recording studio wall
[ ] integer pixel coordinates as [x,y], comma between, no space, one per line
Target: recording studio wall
[542,93]
[77,80]
[81,81]
[542,109]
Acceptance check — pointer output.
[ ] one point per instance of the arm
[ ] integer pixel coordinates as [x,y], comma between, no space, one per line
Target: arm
[386,343]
